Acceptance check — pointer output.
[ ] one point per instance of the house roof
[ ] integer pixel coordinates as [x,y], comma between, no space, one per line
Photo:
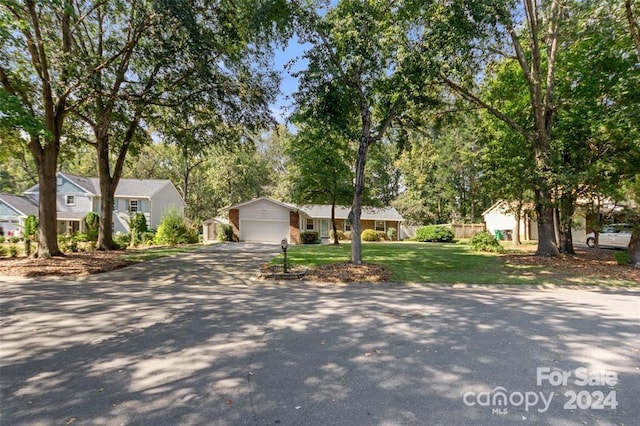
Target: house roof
[323,211]
[217,220]
[21,204]
[143,188]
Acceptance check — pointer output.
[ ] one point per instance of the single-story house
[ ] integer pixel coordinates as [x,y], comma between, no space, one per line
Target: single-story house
[267,220]
[78,196]
[14,210]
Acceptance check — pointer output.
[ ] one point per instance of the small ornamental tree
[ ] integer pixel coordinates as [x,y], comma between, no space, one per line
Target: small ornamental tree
[30,232]
[92,220]
[138,225]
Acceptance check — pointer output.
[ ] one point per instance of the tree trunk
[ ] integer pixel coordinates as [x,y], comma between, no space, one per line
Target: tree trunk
[546,245]
[515,239]
[567,209]
[634,247]
[333,222]
[46,160]
[634,27]
[356,207]
[107,190]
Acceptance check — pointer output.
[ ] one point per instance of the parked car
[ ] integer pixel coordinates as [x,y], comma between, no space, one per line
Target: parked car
[617,235]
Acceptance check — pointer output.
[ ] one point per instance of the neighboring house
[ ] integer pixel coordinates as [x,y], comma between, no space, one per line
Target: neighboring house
[500,217]
[14,209]
[267,220]
[78,196]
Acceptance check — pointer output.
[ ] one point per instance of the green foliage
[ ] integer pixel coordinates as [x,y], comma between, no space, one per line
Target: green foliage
[27,246]
[67,243]
[434,233]
[14,240]
[138,226]
[309,237]
[81,238]
[225,232]
[30,226]
[391,234]
[12,250]
[92,220]
[173,231]
[2,239]
[623,258]
[485,241]
[3,251]
[370,235]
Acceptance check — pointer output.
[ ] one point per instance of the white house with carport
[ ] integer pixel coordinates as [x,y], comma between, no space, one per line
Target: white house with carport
[267,220]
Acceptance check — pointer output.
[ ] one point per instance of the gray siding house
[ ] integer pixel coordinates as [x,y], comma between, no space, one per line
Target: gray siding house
[78,196]
[14,209]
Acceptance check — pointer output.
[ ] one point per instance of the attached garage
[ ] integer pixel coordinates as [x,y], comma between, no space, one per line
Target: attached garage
[263,220]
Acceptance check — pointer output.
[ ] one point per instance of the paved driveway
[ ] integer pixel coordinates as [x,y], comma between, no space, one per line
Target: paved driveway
[195,339]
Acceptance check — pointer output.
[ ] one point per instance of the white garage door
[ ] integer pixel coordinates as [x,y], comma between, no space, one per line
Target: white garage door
[272,231]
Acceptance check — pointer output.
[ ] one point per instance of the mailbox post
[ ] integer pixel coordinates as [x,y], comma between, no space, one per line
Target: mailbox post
[284,245]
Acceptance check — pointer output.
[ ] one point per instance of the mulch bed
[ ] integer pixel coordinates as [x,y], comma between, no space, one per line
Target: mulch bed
[81,263]
[337,272]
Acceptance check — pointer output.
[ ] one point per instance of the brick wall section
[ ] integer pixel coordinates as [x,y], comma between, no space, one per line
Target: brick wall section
[234,220]
[294,227]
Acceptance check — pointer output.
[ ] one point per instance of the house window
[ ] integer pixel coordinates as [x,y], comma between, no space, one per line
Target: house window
[133,206]
[309,224]
[347,225]
[380,225]
[70,200]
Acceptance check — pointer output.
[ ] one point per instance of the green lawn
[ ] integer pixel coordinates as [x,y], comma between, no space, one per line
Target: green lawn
[413,262]
[149,253]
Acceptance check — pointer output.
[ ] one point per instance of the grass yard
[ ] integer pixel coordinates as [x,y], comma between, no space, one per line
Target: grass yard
[150,253]
[413,262]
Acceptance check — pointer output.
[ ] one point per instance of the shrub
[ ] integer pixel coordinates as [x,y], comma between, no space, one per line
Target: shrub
[27,246]
[81,238]
[485,241]
[12,250]
[225,232]
[93,223]
[3,251]
[369,235]
[623,258]
[382,235]
[14,240]
[391,234]
[2,239]
[174,231]
[30,226]
[340,235]
[309,237]
[147,237]
[138,225]
[68,243]
[434,233]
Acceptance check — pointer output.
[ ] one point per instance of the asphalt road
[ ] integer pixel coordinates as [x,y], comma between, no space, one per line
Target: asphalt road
[195,339]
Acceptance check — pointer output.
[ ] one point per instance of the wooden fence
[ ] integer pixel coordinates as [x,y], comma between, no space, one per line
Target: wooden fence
[466,230]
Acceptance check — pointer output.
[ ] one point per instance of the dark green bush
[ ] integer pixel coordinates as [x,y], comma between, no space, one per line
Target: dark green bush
[93,223]
[623,258]
[3,251]
[434,233]
[138,225]
[12,251]
[369,235]
[147,237]
[225,232]
[485,241]
[14,240]
[309,237]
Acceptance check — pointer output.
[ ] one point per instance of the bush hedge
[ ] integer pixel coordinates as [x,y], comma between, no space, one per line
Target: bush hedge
[434,233]
[309,237]
[225,232]
[173,231]
[485,241]
[370,235]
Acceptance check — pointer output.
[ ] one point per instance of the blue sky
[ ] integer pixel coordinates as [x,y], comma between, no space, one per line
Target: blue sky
[289,85]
